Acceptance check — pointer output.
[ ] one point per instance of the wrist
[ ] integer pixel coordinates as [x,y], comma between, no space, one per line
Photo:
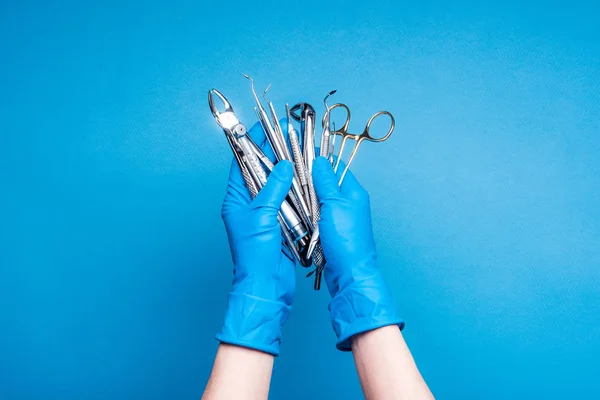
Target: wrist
[254,322]
[363,305]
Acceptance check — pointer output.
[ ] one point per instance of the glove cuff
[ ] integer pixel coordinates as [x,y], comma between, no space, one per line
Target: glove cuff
[254,323]
[363,306]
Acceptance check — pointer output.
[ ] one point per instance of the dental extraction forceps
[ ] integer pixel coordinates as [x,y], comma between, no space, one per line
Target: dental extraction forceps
[251,159]
[365,135]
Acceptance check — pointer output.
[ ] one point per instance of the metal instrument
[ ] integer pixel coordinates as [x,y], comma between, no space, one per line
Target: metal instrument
[358,138]
[254,164]
[326,135]
[307,128]
[300,212]
[274,134]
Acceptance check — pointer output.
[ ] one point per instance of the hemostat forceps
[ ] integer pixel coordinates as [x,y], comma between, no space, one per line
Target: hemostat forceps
[365,135]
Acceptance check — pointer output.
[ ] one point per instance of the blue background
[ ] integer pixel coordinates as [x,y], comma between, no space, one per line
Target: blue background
[114,261]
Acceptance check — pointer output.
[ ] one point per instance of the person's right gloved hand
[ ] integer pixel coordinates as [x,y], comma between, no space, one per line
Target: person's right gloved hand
[360,299]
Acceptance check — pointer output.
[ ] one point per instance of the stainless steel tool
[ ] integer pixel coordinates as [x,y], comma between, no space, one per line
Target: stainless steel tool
[300,212]
[358,138]
[254,164]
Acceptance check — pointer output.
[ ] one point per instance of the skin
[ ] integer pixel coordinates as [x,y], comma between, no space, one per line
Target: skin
[239,373]
[386,368]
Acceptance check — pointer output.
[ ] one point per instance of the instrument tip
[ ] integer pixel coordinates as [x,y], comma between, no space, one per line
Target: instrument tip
[326,97]
[265,93]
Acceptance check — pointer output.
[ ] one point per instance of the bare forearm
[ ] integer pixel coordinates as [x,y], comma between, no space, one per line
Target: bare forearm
[385,366]
[239,373]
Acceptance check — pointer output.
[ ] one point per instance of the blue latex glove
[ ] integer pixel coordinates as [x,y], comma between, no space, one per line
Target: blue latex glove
[264,276]
[360,300]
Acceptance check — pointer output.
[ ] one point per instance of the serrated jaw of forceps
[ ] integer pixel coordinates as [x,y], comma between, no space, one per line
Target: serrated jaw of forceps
[226,118]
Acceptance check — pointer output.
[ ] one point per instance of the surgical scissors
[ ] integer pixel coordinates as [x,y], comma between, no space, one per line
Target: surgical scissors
[365,135]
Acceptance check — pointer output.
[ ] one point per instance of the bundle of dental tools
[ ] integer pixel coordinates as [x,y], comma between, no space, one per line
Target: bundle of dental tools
[300,212]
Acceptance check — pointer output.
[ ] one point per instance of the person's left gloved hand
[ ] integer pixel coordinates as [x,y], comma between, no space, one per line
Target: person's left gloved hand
[264,277]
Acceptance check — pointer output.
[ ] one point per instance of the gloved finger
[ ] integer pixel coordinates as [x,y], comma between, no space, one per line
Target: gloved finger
[325,181]
[283,122]
[351,188]
[340,168]
[277,187]
[318,151]
[287,253]
[236,187]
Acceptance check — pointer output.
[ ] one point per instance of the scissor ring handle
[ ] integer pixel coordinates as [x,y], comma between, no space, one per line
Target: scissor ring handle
[367,135]
[344,128]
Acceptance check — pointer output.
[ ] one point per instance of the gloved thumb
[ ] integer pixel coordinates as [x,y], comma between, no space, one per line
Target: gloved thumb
[277,187]
[324,179]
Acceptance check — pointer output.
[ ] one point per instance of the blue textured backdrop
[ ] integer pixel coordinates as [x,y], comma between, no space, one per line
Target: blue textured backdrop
[114,265]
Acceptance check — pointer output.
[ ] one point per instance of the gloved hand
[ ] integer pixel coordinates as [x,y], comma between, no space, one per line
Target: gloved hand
[360,300]
[264,277]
